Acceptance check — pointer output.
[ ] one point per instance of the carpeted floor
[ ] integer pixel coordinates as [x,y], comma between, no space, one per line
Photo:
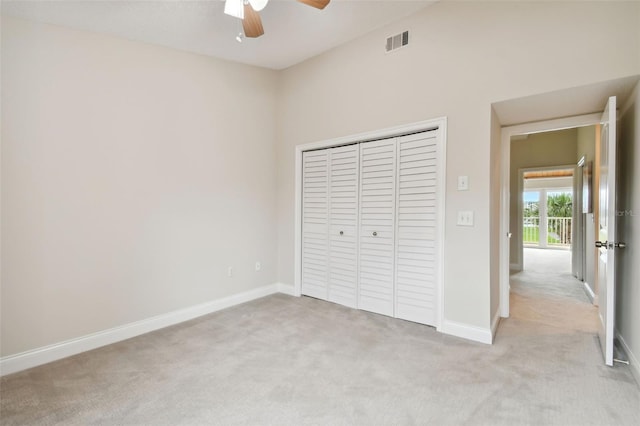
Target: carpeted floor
[546,297]
[282,360]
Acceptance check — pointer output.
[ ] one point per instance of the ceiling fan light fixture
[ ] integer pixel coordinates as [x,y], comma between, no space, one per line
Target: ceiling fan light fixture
[258,5]
[234,8]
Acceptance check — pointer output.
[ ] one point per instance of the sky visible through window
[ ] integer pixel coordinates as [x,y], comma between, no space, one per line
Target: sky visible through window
[534,196]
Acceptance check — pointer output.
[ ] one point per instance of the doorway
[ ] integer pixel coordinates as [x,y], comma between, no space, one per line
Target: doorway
[534,114]
[535,152]
[546,211]
[547,253]
[545,185]
[548,220]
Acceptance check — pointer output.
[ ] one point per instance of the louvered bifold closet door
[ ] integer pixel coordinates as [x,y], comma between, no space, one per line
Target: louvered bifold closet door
[377,213]
[315,223]
[343,224]
[416,298]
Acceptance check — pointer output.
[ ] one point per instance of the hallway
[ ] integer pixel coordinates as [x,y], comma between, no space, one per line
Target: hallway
[545,296]
[553,333]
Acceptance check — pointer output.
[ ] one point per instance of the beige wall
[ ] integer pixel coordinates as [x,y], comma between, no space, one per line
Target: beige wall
[628,266]
[462,57]
[132,177]
[557,148]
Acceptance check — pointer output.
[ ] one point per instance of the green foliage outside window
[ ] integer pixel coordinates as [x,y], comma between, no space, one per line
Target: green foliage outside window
[559,205]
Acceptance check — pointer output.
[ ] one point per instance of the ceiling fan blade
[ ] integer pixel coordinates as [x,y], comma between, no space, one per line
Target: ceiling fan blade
[251,24]
[318,4]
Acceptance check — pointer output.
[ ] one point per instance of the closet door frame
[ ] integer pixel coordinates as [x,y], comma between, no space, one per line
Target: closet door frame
[439,124]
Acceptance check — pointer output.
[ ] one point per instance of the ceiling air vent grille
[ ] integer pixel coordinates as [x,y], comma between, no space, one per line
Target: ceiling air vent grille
[397,41]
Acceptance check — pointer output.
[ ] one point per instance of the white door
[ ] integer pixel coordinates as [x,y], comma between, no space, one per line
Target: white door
[343,224]
[607,233]
[315,223]
[377,223]
[416,262]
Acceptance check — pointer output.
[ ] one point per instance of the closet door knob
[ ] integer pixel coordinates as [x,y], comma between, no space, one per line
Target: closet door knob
[341,232]
[375,234]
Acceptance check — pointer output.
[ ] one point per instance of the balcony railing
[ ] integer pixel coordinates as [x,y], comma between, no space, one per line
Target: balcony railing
[558,231]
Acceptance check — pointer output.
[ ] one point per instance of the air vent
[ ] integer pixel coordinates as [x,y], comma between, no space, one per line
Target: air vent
[397,41]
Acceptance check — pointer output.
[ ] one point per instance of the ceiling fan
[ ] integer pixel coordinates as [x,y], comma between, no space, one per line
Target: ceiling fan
[247,10]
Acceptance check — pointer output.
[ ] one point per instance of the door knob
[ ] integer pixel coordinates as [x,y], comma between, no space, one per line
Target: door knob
[341,232]
[619,245]
[600,244]
[375,234]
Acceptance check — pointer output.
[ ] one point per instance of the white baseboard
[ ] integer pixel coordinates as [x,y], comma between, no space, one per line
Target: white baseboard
[494,324]
[470,332]
[286,289]
[22,361]
[633,360]
[590,294]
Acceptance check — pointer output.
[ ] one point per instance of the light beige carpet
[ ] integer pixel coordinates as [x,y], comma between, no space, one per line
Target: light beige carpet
[282,360]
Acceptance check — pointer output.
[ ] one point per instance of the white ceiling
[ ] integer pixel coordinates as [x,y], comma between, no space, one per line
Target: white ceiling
[293,31]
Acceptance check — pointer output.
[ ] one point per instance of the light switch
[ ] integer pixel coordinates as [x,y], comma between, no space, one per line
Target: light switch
[463,183]
[465,218]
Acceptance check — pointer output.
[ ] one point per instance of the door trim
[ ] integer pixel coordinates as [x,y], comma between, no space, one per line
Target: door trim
[506,134]
[439,124]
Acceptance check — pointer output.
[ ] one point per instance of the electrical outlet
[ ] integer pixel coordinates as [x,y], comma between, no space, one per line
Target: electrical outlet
[465,218]
[258,266]
[230,271]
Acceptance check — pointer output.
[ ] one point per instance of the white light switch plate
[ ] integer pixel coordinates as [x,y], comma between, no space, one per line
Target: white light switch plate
[465,218]
[463,183]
